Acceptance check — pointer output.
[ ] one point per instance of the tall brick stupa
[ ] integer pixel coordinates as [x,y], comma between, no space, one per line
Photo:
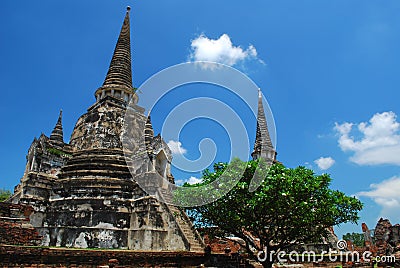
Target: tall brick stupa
[83,193]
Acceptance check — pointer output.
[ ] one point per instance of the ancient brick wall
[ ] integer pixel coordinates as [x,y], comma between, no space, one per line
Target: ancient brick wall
[222,245]
[14,256]
[15,228]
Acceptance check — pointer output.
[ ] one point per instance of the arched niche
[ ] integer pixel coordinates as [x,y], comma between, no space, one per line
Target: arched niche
[161,162]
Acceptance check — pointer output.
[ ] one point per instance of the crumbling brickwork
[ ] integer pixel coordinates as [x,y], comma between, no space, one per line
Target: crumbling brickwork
[14,256]
[15,228]
[387,237]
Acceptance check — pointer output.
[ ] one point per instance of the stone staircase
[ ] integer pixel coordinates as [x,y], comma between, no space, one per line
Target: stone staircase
[195,241]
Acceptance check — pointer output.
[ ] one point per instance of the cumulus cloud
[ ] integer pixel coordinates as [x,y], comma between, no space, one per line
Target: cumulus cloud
[220,50]
[193,180]
[176,147]
[386,194]
[379,141]
[324,163]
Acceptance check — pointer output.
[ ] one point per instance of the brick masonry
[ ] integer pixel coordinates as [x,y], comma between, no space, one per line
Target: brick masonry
[22,256]
[15,228]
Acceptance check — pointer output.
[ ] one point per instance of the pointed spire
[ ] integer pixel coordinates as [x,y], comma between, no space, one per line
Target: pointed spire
[57,135]
[148,134]
[120,72]
[263,147]
[118,82]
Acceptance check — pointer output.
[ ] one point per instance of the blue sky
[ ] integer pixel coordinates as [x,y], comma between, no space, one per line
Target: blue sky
[320,64]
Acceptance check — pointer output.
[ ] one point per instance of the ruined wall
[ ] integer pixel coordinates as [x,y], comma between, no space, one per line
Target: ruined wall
[12,256]
[387,237]
[15,228]
[222,245]
[47,257]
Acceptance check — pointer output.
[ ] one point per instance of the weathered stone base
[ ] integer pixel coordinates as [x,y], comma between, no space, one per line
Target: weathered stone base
[84,237]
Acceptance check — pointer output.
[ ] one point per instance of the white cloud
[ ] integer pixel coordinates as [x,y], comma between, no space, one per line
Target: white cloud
[193,180]
[379,142]
[386,194]
[220,50]
[176,147]
[324,162]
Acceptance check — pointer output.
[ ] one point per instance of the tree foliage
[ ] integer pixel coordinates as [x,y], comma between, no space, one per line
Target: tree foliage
[356,238]
[291,206]
[4,195]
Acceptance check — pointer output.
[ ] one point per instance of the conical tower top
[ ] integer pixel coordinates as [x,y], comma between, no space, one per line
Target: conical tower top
[57,135]
[120,72]
[148,134]
[118,81]
[263,147]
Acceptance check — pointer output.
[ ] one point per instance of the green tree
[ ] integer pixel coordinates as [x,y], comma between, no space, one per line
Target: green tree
[356,238]
[4,195]
[290,207]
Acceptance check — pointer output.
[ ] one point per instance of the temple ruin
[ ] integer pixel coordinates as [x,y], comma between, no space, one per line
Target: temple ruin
[82,192]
